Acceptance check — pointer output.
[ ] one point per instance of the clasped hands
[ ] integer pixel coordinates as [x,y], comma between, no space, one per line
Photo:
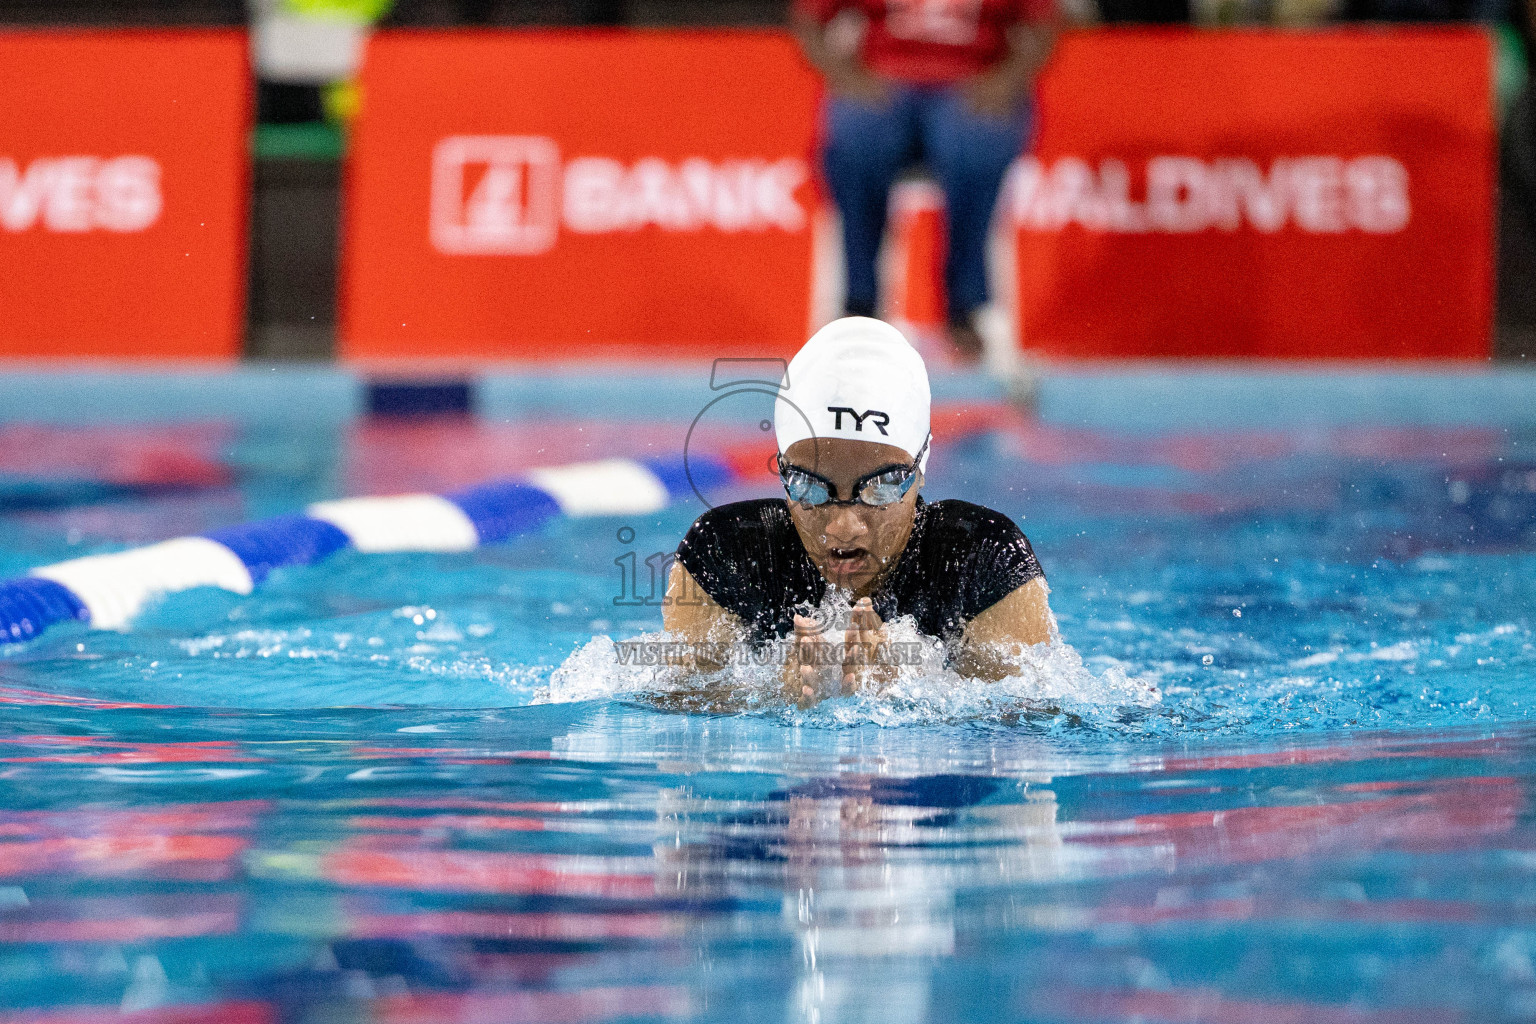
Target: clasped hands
[820,666]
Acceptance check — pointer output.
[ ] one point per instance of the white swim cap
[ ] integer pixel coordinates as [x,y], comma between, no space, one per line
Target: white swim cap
[856,378]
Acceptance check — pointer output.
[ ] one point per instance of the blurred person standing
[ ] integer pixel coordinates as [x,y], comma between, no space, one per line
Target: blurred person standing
[945,83]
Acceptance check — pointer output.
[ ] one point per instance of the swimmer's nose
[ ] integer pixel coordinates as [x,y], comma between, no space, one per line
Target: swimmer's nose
[845,527]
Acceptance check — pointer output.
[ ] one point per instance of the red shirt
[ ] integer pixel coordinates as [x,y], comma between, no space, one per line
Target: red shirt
[928,42]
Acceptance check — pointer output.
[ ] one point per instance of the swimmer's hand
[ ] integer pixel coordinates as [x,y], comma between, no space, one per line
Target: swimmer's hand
[866,657]
[805,673]
[866,649]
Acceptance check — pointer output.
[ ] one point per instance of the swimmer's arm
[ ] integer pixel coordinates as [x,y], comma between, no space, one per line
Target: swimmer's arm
[689,612]
[1023,617]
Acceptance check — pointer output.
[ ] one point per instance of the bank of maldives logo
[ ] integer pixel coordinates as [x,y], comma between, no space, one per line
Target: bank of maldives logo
[512,195]
[1315,195]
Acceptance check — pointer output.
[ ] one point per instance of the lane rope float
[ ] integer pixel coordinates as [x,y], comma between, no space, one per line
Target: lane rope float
[107,591]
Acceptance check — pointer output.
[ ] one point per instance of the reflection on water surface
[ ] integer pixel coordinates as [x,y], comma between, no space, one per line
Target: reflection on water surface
[598,862]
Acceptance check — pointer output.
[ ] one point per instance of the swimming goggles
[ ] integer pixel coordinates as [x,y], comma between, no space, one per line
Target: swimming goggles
[878,489]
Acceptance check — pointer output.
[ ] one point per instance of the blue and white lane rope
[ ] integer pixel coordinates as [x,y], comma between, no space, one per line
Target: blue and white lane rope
[107,591]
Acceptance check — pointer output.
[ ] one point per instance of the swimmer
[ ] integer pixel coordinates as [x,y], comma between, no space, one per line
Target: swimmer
[852,425]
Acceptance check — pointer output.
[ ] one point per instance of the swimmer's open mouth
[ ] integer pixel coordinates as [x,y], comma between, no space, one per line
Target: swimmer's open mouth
[845,560]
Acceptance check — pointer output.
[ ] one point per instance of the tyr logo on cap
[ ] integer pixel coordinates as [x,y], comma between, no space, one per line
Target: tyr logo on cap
[859,418]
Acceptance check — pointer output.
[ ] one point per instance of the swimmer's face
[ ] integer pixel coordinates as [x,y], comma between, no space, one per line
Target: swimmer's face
[853,546]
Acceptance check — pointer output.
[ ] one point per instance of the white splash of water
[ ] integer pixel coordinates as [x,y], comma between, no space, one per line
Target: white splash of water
[1043,679]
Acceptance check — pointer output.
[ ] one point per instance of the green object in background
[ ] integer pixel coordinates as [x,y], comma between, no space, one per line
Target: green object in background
[340,101]
[310,140]
[363,11]
[1510,67]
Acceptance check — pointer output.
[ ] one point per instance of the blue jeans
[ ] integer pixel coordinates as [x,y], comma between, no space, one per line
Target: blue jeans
[867,147]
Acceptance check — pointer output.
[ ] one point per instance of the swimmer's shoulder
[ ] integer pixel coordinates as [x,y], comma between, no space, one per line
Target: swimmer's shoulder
[984,536]
[755,516]
[749,559]
[724,546]
[972,519]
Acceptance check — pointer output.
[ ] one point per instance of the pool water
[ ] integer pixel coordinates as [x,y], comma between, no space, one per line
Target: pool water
[1278,770]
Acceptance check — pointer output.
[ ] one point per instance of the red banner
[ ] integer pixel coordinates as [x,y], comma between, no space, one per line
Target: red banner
[554,194]
[1294,195]
[123,180]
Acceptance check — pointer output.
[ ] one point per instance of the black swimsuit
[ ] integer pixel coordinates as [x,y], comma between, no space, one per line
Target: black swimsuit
[960,560]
